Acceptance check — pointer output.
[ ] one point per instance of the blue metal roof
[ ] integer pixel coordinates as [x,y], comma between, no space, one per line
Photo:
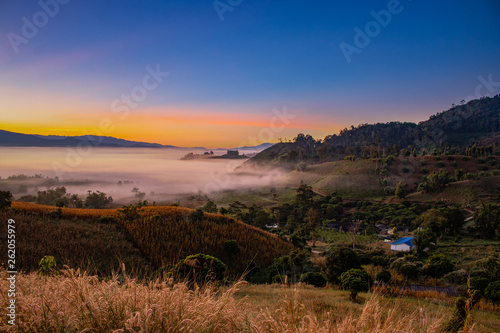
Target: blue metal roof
[404,240]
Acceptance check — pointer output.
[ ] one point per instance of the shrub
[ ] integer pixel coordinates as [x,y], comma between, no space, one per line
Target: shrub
[355,280]
[465,158]
[422,163]
[5,199]
[492,292]
[107,219]
[454,164]
[440,164]
[384,276]
[405,170]
[450,158]
[316,279]
[231,247]
[196,216]
[482,167]
[481,161]
[47,266]
[459,174]
[435,182]
[198,269]
[424,171]
[438,265]
[28,198]
[479,283]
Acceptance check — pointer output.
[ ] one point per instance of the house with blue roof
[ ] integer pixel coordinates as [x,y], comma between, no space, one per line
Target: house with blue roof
[403,244]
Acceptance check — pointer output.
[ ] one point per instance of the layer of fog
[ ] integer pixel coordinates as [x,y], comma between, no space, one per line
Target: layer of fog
[158,173]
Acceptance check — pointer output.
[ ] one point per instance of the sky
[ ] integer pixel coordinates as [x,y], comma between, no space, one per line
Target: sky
[239,72]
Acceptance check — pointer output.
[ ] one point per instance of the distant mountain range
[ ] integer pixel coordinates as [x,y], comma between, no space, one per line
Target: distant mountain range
[12,139]
[476,122]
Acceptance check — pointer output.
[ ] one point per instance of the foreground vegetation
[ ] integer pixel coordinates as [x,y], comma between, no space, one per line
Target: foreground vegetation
[74,301]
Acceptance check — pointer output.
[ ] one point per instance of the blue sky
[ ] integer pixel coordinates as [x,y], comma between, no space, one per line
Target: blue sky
[263,55]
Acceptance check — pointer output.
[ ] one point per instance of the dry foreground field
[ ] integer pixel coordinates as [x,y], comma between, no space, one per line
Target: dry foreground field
[76,302]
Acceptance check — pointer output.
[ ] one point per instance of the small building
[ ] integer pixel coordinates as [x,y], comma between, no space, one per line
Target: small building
[403,244]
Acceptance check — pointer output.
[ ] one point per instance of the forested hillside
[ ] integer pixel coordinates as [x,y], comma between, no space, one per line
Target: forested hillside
[459,127]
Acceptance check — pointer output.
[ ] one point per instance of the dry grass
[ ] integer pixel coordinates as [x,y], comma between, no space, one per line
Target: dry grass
[76,302]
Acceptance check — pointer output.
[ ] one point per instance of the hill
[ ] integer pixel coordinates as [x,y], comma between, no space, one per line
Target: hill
[160,236]
[460,126]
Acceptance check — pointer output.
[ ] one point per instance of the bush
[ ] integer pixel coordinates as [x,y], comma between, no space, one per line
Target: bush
[47,266]
[28,198]
[479,283]
[316,279]
[231,247]
[196,216]
[384,276]
[440,164]
[422,163]
[405,170]
[492,292]
[5,199]
[454,164]
[424,171]
[107,219]
[199,268]
[438,265]
[355,280]
[482,168]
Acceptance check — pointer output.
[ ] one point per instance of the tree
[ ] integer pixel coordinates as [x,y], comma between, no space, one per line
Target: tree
[340,260]
[5,199]
[443,221]
[355,280]
[435,182]
[423,239]
[313,218]
[353,230]
[400,192]
[97,200]
[236,208]
[487,220]
[304,195]
[210,207]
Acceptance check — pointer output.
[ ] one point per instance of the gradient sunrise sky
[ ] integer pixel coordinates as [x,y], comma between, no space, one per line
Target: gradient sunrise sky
[231,66]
